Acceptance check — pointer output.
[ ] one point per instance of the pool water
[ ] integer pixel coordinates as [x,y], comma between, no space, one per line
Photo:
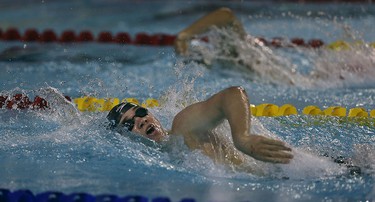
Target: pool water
[63,149]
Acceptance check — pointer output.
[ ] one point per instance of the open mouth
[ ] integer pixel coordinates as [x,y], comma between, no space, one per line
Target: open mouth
[150,129]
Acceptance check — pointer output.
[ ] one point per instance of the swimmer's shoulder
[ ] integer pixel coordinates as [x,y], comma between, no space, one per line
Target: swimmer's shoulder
[180,126]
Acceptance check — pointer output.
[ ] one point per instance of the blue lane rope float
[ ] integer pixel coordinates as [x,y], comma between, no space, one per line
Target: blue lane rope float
[156,39]
[25,195]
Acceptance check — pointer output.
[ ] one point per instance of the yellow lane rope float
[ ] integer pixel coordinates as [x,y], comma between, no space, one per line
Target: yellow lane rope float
[92,104]
[341,45]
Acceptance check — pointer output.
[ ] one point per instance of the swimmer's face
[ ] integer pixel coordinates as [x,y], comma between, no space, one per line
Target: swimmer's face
[145,123]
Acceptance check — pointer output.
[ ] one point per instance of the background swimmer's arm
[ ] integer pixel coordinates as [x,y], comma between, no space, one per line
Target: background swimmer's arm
[221,18]
[231,104]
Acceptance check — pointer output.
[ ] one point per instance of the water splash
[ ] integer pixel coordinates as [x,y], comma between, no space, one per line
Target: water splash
[87,135]
[311,69]
[60,108]
[251,56]
[354,67]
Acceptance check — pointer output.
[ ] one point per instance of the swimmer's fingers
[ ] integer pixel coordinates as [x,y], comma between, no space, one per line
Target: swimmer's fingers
[277,147]
[264,149]
[274,156]
[181,46]
[277,160]
[181,43]
[269,150]
[275,144]
[279,154]
[270,141]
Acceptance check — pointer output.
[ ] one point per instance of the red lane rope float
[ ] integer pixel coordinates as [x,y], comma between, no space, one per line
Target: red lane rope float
[157,39]
[31,35]
[279,42]
[11,34]
[48,36]
[69,36]
[21,101]
[123,37]
[85,36]
[105,37]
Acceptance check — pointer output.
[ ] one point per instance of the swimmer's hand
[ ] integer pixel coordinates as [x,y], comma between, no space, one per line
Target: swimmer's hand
[264,149]
[181,44]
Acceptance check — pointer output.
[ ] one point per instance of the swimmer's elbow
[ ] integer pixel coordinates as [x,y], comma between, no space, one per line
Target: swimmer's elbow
[234,93]
[227,13]
[236,90]
[229,18]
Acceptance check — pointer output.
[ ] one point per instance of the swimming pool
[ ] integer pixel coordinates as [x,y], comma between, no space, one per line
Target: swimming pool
[62,149]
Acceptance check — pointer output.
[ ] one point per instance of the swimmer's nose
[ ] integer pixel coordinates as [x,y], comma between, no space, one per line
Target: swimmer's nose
[140,122]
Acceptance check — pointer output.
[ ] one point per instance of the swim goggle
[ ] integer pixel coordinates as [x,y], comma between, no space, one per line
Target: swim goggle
[139,112]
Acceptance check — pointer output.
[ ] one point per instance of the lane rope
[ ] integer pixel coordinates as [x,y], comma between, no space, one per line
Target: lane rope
[26,195]
[93,104]
[70,36]
[156,39]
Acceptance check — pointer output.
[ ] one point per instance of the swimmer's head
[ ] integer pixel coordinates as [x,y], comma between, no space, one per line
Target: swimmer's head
[117,111]
[136,119]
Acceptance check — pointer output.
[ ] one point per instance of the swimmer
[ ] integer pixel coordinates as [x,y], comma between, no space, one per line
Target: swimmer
[256,57]
[220,18]
[196,124]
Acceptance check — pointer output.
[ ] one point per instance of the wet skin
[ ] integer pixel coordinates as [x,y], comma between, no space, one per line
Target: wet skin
[147,126]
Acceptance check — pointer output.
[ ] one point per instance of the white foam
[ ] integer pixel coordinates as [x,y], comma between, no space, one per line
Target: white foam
[327,68]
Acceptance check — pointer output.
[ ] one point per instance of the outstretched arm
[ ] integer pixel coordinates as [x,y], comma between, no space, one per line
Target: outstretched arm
[220,18]
[231,104]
